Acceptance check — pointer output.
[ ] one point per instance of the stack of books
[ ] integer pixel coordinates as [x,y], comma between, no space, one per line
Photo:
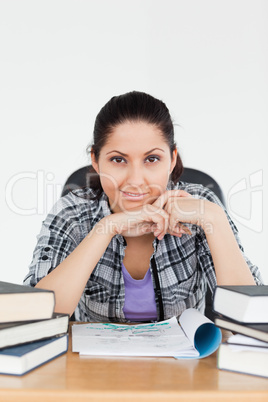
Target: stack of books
[243,310]
[31,334]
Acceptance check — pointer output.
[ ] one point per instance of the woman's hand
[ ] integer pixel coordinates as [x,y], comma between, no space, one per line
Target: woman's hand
[183,208]
[137,222]
[166,215]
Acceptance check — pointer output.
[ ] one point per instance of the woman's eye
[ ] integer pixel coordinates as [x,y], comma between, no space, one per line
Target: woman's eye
[117,159]
[152,159]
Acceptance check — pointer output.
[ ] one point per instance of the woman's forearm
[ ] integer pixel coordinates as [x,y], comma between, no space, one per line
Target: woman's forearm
[69,279]
[230,265]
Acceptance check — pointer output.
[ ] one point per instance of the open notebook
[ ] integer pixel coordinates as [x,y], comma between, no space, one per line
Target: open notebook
[195,336]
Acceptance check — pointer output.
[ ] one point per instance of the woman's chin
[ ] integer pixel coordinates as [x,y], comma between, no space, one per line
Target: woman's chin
[128,204]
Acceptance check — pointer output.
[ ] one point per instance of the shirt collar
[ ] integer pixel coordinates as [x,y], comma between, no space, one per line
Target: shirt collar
[106,211]
[104,205]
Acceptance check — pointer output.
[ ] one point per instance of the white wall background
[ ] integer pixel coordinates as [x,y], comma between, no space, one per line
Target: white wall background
[61,60]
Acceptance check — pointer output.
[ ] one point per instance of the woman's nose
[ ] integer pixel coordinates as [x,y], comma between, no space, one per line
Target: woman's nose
[135,176]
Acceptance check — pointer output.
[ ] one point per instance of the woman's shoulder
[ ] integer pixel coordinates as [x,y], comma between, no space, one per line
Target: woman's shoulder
[79,202]
[196,190]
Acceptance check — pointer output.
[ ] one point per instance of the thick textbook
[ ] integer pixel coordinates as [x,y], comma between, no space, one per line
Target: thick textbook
[257,331]
[248,304]
[195,337]
[22,303]
[19,360]
[243,355]
[22,332]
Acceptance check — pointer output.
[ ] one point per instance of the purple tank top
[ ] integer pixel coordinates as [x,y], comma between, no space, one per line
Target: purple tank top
[140,302]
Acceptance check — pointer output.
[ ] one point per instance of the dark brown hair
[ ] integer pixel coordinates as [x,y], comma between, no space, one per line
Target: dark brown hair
[132,106]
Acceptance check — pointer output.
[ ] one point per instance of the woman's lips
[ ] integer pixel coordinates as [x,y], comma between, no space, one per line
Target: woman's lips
[133,196]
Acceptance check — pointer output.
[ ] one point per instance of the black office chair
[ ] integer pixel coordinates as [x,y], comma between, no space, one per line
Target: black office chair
[78,179]
[81,178]
[190,175]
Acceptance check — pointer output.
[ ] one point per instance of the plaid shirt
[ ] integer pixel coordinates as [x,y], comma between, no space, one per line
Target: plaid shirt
[184,264]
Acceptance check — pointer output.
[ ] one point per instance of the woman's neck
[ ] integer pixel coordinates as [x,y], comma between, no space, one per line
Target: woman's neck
[138,241]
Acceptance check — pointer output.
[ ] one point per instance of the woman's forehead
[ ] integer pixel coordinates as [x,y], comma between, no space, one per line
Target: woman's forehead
[129,133]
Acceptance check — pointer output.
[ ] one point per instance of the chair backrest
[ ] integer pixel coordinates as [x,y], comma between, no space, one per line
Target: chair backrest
[198,177]
[81,178]
[78,179]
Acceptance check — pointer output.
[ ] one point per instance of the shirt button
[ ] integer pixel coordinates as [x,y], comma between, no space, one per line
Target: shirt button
[46,248]
[45,257]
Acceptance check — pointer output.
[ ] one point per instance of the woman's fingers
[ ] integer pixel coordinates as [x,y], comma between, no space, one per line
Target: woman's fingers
[163,198]
[153,218]
[177,228]
[159,220]
[169,201]
[148,219]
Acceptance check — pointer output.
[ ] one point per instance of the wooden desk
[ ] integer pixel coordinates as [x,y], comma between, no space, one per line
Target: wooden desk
[74,378]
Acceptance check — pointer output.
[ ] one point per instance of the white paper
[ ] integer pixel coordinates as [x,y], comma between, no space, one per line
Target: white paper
[165,338]
[190,320]
[241,342]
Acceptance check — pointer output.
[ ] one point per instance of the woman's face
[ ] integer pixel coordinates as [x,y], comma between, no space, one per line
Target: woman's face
[134,165]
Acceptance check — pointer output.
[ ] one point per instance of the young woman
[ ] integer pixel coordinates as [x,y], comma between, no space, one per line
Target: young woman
[137,244]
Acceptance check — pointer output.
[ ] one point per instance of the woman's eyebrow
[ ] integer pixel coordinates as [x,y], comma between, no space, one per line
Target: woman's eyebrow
[117,152]
[154,149]
[146,153]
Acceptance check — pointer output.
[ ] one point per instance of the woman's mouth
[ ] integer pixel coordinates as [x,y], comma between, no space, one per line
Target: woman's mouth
[133,196]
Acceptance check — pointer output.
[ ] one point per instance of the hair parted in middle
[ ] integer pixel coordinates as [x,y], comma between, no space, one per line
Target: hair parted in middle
[132,107]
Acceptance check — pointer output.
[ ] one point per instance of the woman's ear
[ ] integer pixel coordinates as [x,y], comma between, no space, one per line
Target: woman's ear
[173,160]
[94,161]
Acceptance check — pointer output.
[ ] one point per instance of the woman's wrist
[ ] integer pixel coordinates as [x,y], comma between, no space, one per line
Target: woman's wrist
[212,216]
[110,226]
[104,227]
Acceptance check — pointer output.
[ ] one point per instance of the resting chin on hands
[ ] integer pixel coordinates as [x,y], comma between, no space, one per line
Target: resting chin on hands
[139,221]
[183,208]
[167,214]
